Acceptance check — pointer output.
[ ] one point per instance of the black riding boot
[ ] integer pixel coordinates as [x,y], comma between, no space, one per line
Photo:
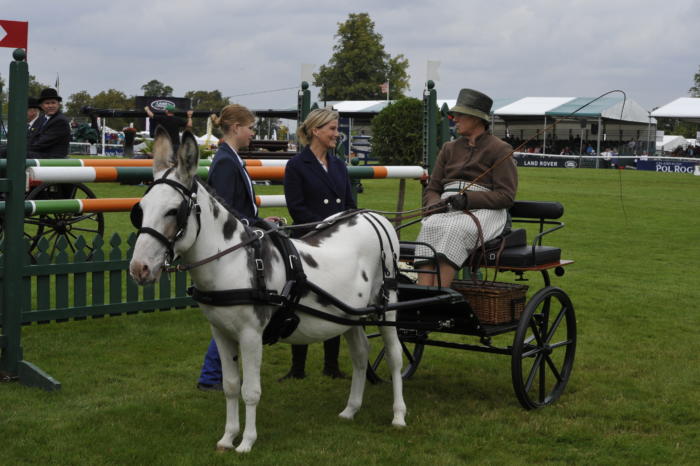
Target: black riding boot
[298,363]
[331,348]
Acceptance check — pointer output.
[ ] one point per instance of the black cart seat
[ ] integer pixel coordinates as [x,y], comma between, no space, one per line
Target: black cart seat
[517,254]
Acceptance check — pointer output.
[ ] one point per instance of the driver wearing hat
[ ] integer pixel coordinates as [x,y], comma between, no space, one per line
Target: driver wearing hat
[52,139]
[475,155]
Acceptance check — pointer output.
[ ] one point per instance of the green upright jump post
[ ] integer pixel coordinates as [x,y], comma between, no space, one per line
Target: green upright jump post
[429,126]
[12,365]
[444,125]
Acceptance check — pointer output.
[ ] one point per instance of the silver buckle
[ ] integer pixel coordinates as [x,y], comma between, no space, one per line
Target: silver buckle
[259,264]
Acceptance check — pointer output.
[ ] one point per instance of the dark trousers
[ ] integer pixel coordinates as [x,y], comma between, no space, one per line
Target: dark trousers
[331,349]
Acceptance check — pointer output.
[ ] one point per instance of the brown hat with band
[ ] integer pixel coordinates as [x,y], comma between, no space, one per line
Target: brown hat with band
[474,103]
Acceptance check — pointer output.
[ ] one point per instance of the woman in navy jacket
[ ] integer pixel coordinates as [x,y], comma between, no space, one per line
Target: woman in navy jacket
[232,184]
[316,186]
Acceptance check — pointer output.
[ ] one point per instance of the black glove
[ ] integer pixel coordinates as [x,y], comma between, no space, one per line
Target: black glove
[458,201]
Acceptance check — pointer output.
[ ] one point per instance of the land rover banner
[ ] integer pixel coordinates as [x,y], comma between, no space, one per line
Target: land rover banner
[533,160]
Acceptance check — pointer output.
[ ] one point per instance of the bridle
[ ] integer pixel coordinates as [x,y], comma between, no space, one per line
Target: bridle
[182,214]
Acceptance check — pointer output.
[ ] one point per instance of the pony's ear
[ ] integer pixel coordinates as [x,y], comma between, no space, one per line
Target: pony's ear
[162,150]
[187,157]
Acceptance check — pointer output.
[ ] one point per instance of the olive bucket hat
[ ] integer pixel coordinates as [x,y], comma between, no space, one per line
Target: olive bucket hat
[474,103]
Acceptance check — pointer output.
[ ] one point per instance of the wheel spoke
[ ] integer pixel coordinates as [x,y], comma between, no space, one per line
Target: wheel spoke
[72,191]
[531,352]
[407,352]
[80,218]
[86,230]
[553,368]
[536,332]
[70,245]
[33,221]
[543,386]
[533,372]
[378,359]
[44,222]
[561,344]
[555,324]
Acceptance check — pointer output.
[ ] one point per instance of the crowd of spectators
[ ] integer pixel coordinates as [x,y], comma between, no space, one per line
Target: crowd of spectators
[690,151]
[574,146]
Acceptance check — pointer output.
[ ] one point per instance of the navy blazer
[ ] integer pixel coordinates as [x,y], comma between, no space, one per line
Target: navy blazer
[313,194]
[230,181]
[52,140]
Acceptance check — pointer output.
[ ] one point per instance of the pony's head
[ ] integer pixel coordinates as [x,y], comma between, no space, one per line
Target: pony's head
[167,217]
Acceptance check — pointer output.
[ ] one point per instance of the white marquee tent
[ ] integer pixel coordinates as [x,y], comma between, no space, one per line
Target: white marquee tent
[685,108]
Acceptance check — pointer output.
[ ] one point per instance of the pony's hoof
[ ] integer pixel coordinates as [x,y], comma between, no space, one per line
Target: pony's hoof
[347,414]
[244,448]
[399,419]
[222,449]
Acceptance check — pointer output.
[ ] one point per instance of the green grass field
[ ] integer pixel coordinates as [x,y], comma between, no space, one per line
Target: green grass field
[129,393]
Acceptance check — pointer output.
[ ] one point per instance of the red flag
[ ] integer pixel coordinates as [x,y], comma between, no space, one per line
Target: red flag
[14,34]
[385,87]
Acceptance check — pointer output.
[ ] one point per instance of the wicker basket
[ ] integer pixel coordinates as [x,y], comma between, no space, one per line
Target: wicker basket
[493,302]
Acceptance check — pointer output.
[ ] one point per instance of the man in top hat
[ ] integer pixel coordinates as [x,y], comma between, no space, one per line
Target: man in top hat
[478,157]
[52,139]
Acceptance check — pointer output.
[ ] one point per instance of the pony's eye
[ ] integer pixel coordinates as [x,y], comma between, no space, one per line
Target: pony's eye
[172,212]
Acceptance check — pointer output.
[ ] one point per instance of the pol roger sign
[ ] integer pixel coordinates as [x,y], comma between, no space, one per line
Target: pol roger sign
[666,166]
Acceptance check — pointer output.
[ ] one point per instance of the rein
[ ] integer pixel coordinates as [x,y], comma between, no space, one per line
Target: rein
[257,236]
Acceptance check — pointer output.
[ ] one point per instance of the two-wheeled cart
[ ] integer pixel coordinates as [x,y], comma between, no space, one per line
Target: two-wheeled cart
[543,326]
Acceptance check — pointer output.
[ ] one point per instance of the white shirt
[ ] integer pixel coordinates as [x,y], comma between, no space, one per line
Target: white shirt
[29,125]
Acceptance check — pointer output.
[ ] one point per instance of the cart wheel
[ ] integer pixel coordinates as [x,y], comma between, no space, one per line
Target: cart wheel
[67,225]
[543,348]
[378,369]
[27,237]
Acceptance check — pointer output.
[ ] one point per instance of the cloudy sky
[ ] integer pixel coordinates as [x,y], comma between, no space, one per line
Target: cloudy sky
[505,48]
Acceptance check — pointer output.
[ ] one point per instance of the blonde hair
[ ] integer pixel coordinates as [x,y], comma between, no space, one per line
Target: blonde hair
[232,114]
[316,119]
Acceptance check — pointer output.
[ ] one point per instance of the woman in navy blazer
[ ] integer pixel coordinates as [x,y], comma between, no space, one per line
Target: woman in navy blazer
[316,186]
[232,184]
[226,174]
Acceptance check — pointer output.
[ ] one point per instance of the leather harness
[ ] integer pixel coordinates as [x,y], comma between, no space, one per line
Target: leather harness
[284,321]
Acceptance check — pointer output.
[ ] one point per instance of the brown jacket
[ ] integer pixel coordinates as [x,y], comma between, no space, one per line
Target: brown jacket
[459,161]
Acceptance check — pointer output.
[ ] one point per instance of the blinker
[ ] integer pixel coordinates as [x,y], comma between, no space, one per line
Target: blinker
[136,215]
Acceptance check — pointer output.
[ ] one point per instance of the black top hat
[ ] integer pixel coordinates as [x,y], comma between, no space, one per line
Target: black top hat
[474,103]
[49,93]
[33,103]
